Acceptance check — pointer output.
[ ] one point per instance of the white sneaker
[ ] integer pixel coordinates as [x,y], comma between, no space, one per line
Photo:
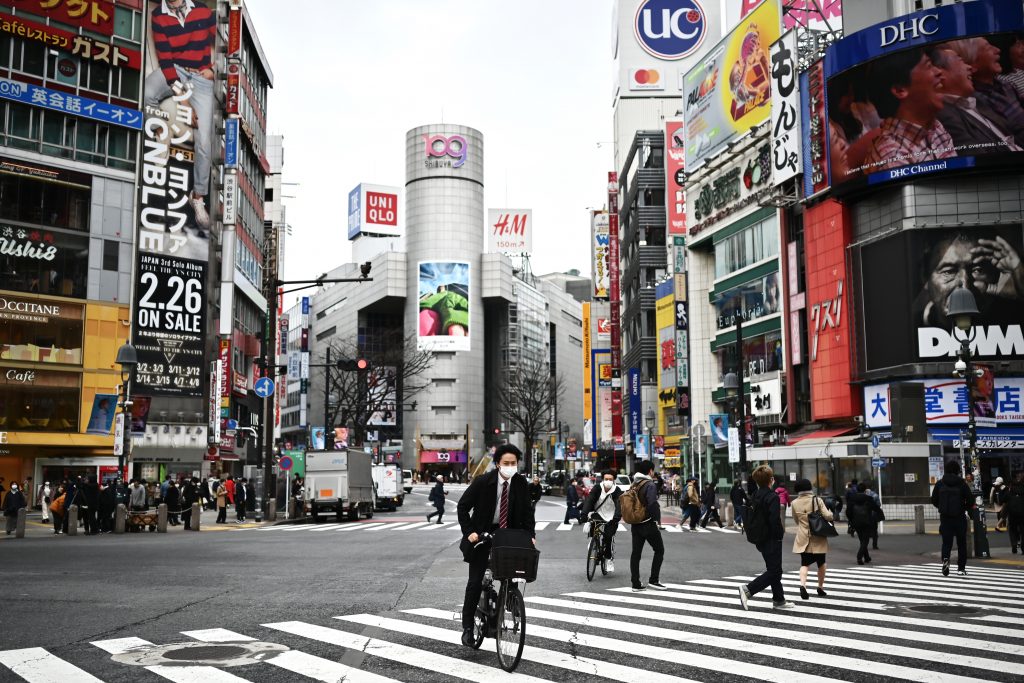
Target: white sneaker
[199,209]
[785,604]
[641,589]
[744,596]
[609,566]
[657,585]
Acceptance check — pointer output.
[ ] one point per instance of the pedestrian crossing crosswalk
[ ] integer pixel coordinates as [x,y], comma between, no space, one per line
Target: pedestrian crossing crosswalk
[354,527]
[893,622]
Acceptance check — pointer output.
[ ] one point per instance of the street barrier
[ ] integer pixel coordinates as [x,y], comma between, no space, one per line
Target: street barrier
[161,519]
[19,529]
[197,513]
[73,520]
[120,518]
[919,519]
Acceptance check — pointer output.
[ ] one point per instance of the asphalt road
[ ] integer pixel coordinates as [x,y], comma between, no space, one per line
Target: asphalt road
[66,594]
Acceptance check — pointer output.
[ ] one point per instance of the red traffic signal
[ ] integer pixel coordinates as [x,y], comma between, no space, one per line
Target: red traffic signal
[358,364]
[362,364]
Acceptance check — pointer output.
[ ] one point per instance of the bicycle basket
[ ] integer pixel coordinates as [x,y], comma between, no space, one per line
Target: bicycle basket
[514,563]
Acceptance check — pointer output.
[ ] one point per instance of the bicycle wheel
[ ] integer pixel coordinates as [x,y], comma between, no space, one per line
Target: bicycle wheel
[593,557]
[511,634]
[604,560]
[479,627]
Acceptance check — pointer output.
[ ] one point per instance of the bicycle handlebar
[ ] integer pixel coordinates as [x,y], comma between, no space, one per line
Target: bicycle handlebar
[485,537]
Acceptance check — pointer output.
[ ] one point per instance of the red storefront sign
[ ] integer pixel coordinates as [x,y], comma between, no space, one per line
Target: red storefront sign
[675,195]
[234,89]
[817,129]
[80,46]
[93,15]
[234,32]
[827,232]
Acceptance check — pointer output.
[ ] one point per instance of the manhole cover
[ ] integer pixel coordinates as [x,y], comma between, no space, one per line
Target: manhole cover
[944,609]
[199,654]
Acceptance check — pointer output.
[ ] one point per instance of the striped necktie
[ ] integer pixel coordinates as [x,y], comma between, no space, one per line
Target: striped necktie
[503,514]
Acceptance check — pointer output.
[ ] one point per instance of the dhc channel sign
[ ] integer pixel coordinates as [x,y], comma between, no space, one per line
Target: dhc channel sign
[670,29]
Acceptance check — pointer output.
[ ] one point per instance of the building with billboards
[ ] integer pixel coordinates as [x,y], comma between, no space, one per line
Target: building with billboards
[474,312]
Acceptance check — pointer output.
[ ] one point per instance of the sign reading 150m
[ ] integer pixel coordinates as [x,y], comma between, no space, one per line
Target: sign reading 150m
[670,29]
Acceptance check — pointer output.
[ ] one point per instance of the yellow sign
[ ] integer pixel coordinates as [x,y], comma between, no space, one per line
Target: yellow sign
[671,461]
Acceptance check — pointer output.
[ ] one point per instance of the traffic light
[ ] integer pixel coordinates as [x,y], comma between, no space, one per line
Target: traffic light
[356,365]
[364,269]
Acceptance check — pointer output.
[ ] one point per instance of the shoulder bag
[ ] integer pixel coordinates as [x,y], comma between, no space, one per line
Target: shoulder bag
[817,524]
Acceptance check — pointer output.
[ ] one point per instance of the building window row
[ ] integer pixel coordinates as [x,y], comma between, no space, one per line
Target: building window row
[750,245]
[49,205]
[69,137]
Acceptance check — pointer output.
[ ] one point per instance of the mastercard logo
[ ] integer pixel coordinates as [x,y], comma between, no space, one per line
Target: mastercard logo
[646,77]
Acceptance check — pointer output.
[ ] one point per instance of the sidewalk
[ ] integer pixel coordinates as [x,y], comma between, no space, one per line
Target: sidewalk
[36,527]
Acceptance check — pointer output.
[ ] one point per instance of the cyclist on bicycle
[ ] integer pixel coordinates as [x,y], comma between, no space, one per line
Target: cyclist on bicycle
[602,507]
[499,499]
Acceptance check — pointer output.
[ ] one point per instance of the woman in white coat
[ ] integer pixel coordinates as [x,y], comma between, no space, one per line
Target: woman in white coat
[45,494]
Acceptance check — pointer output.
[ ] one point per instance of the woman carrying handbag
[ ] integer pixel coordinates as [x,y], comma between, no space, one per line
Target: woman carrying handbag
[813,527]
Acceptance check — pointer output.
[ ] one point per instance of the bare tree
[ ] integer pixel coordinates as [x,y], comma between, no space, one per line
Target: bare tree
[372,398]
[526,400]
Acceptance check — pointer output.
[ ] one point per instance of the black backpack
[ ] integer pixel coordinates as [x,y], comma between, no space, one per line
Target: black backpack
[755,522]
[950,501]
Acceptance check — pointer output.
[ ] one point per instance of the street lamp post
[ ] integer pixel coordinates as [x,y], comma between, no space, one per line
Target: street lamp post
[962,309]
[733,385]
[649,419]
[128,359]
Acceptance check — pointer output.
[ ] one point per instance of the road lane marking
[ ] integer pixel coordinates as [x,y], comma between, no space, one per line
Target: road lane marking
[36,665]
[177,674]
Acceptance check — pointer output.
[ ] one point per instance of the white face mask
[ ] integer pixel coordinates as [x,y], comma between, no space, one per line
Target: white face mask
[608,485]
[508,471]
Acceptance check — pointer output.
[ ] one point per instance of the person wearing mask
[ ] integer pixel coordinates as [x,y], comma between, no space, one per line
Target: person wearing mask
[45,497]
[137,499]
[229,484]
[222,503]
[765,502]
[536,492]
[572,502]
[250,495]
[496,500]
[107,505]
[1013,507]
[851,489]
[739,502]
[995,498]
[189,495]
[863,513]
[88,507]
[14,501]
[172,499]
[812,549]
[56,507]
[878,515]
[692,511]
[647,531]
[710,502]
[239,501]
[953,499]
[436,497]
[602,507]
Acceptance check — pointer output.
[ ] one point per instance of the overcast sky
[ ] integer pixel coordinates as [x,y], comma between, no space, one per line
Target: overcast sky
[351,77]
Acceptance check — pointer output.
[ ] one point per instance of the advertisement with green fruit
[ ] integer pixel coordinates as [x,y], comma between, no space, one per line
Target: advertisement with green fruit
[718,195]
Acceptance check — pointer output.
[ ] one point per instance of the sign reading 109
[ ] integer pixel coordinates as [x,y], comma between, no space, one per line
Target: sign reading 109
[670,29]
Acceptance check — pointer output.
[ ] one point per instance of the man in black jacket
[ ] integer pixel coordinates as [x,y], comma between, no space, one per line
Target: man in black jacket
[953,498]
[646,531]
[189,495]
[497,500]
[766,502]
[1013,502]
[436,497]
[603,502]
[739,502]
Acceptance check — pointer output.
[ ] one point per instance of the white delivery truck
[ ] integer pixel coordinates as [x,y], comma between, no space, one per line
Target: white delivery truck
[387,483]
[340,482]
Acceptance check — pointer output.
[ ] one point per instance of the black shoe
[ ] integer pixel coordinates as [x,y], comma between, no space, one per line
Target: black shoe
[467,636]
[822,593]
[803,593]
[945,567]
[874,547]
[860,561]
[867,559]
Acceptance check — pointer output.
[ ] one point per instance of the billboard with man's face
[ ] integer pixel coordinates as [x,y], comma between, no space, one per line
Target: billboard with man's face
[926,93]
[923,267]
[444,306]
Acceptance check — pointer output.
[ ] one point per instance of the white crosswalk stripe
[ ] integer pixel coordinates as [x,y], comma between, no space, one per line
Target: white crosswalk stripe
[405,526]
[694,631]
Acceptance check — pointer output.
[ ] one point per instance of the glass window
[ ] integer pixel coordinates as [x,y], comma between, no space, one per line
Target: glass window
[111,254]
[59,264]
[124,23]
[747,247]
[49,204]
[20,123]
[39,400]
[99,78]
[5,50]
[33,58]
[129,89]
[41,331]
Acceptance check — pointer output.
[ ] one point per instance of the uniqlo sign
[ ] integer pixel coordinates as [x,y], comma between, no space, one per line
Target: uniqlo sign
[373,209]
[381,209]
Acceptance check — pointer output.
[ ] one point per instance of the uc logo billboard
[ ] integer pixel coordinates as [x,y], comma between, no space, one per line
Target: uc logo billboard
[670,29]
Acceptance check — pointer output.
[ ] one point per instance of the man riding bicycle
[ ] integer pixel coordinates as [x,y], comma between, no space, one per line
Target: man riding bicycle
[499,499]
[602,507]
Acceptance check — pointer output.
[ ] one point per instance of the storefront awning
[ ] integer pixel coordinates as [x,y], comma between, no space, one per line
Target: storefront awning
[818,436]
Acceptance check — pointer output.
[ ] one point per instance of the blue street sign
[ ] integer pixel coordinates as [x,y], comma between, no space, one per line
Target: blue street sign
[264,387]
[878,462]
[231,424]
[875,441]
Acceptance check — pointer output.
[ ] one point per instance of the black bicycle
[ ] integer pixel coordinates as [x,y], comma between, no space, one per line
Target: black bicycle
[595,552]
[501,613]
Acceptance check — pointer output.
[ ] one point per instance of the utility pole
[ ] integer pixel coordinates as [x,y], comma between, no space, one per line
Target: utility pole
[328,441]
[741,404]
[268,363]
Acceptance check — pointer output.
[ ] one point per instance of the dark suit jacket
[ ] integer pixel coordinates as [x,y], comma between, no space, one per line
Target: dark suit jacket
[477,505]
[967,130]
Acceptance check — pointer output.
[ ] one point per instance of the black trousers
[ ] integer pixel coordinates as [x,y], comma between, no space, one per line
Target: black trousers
[88,515]
[240,510]
[608,535]
[711,516]
[439,511]
[771,551]
[478,562]
[222,515]
[647,532]
[954,528]
[1015,526]
[694,512]
[186,516]
[864,536]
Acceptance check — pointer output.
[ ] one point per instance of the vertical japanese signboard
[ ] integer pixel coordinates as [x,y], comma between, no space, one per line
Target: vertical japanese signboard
[815,129]
[675,177]
[613,300]
[169,326]
[588,386]
[599,253]
[786,160]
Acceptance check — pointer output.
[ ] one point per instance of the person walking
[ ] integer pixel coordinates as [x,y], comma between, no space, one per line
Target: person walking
[878,515]
[572,502]
[56,507]
[14,501]
[1013,507]
[764,529]
[436,497]
[692,496]
[536,492]
[953,499]
[812,549]
[647,531]
[862,510]
[851,489]
[995,499]
[222,503]
[710,502]
[783,493]
[602,507]
[677,488]
[239,501]
[739,502]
